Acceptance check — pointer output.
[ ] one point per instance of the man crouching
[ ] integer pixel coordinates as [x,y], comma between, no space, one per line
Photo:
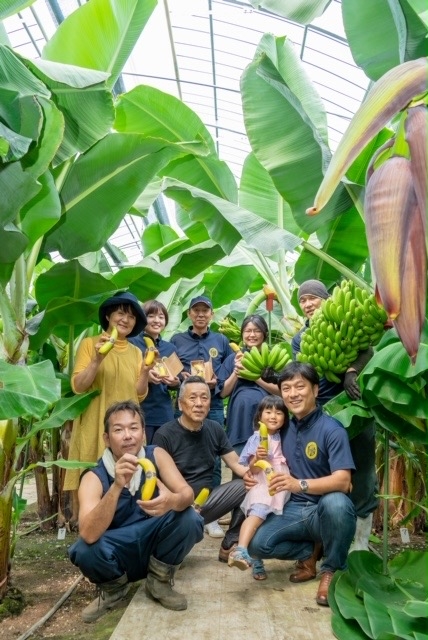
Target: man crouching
[124,539]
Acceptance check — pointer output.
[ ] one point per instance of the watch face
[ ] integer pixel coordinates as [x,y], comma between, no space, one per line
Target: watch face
[303,485]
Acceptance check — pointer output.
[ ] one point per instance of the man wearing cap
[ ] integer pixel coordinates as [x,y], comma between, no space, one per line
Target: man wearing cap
[310,295]
[117,375]
[200,343]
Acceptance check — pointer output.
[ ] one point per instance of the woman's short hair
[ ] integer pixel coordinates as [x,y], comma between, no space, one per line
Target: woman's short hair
[258,321]
[154,306]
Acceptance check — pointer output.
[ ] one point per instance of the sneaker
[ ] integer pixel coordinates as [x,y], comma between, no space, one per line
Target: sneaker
[214,530]
[240,559]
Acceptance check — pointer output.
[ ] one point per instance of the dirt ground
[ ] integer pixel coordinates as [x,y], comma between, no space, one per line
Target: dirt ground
[42,571]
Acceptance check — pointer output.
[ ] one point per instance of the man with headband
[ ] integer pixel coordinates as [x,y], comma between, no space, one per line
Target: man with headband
[365,487]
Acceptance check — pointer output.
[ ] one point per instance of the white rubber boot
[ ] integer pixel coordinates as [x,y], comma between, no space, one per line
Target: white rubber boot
[362,534]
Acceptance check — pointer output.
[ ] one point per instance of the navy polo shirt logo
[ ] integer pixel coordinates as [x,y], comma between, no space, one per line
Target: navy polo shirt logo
[311,450]
[213,352]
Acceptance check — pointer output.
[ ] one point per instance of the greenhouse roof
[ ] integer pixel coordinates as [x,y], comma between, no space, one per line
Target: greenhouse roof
[197,51]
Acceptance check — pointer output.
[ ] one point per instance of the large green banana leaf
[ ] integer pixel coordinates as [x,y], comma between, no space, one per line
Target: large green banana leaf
[100,34]
[287,129]
[102,185]
[84,100]
[27,391]
[258,194]
[233,223]
[366,602]
[344,240]
[378,49]
[13,243]
[156,114]
[42,212]
[394,392]
[397,33]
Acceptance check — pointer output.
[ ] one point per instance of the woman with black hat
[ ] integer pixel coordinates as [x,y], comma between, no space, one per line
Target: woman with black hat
[119,374]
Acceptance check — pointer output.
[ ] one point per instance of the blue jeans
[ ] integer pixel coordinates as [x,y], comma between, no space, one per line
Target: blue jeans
[169,538]
[291,535]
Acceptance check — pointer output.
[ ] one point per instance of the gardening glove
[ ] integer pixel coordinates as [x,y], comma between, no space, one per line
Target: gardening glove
[361,360]
[269,375]
[351,386]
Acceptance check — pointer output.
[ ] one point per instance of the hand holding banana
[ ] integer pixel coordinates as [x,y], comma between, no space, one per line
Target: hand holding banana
[108,342]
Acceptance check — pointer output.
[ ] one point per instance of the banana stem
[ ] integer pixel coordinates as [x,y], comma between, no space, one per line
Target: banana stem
[345,271]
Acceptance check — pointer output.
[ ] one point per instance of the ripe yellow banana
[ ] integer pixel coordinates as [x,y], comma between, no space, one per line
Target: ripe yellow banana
[149,485]
[201,498]
[235,347]
[268,471]
[150,352]
[264,435]
[108,346]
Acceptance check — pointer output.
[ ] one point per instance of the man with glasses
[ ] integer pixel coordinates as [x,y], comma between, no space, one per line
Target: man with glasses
[200,343]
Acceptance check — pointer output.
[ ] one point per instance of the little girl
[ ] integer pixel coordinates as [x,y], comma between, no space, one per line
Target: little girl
[258,503]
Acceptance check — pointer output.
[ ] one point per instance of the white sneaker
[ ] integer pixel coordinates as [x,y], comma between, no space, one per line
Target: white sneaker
[214,530]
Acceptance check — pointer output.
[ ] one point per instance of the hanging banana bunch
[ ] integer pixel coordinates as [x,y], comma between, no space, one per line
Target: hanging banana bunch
[230,329]
[254,362]
[396,194]
[346,323]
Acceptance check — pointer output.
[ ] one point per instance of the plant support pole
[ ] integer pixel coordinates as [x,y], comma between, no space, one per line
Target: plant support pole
[385,505]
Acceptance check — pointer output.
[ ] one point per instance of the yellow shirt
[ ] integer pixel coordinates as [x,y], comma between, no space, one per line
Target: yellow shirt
[116,379]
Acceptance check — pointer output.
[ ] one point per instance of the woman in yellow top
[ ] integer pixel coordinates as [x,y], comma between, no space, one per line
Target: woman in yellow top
[119,374]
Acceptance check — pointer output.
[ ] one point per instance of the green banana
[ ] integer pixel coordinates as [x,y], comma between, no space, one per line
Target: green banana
[248,375]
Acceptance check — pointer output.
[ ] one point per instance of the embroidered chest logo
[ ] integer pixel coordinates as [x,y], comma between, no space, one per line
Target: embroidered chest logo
[311,450]
[213,352]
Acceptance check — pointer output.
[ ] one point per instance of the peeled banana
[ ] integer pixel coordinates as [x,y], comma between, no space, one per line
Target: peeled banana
[108,345]
[264,436]
[346,323]
[150,351]
[149,485]
[201,498]
[268,471]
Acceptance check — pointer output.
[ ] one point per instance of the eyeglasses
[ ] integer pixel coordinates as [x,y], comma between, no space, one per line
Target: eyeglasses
[256,332]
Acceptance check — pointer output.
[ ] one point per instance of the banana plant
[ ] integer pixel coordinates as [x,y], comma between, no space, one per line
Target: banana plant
[32,392]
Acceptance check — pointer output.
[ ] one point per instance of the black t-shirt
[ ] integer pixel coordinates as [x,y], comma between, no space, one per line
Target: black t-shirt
[194,452]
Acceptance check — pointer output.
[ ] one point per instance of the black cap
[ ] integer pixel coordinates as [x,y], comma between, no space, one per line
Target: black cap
[201,299]
[124,298]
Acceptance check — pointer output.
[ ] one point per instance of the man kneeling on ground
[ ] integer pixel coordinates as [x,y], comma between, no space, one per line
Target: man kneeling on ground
[124,539]
[320,510]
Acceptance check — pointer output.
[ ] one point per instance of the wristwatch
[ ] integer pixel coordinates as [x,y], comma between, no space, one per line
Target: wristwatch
[304,486]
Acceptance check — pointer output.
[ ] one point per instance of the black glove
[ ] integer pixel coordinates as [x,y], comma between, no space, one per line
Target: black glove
[351,386]
[362,359]
[269,375]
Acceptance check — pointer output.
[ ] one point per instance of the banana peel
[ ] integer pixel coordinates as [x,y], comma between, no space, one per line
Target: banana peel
[150,355]
[268,470]
[150,472]
[108,345]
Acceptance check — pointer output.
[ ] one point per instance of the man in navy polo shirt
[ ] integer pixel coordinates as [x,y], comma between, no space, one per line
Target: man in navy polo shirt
[200,343]
[319,510]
